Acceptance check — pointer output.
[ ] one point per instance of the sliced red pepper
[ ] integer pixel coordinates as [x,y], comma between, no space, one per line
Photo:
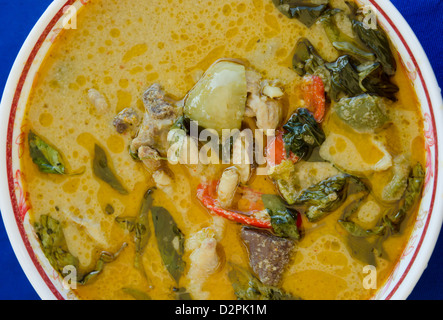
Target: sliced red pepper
[314,96]
[276,151]
[205,193]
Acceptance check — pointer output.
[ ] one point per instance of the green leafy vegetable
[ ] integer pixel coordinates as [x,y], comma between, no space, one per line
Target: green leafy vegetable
[410,198]
[52,239]
[306,59]
[324,197]
[307,12]
[248,287]
[302,134]
[170,241]
[377,40]
[342,42]
[46,157]
[142,228]
[103,171]
[344,78]
[283,221]
[363,113]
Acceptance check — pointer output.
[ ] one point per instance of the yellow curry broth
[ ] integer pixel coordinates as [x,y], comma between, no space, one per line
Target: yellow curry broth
[120,48]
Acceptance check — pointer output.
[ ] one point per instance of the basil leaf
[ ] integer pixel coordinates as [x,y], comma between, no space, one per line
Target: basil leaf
[307,12]
[283,221]
[52,239]
[377,40]
[248,287]
[102,170]
[323,198]
[170,241]
[302,134]
[142,228]
[410,197]
[46,157]
[105,257]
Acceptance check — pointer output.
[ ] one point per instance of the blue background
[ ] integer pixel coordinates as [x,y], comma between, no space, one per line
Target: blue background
[19,16]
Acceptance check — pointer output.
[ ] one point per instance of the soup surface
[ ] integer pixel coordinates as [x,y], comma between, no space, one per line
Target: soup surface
[344,176]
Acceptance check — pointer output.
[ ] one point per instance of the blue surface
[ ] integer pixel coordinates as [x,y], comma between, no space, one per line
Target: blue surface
[18,18]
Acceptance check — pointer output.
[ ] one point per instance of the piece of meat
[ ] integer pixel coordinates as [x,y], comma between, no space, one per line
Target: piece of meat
[98,100]
[227,186]
[150,157]
[264,108]
[157,105]
[126,119]
[160,115]
[268,254]
[204,260]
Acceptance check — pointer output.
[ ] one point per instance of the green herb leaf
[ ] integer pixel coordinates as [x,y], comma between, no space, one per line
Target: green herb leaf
[283,221]
[170,241]
[323,198]
[46,157]
[302,134]
[307,12]
[103,171]
[248,287]
[142,228]
[377,40]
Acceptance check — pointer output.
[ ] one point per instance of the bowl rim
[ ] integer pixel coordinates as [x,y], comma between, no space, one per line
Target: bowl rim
[14,228]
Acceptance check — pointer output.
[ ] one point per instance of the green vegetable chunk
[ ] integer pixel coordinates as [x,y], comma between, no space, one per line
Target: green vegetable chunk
[46,157]
[248,287]
[218,100]
[363,113]
[283,221]
[103,171]
[170,241]
[302,134]
[394,190]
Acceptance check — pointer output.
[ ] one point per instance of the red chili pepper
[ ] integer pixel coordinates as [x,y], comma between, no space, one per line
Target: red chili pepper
[314,96]
[276,151]
[205,193]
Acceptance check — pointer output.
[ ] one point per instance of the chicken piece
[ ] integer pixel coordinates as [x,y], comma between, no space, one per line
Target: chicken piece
[261,103]
[150,157]
[163,181]
[242,155]
[126,119]
[228,186]
[204,258]
[160,115]
[268,254]
[98,100]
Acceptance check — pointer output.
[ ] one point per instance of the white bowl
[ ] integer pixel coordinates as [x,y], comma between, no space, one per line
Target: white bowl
[14,210]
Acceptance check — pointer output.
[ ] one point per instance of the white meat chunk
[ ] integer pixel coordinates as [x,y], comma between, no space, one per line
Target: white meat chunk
[262,102]
[98,100]
[204,257]
[228,186]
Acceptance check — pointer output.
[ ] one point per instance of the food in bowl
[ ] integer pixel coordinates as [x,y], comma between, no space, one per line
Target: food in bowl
[249,150]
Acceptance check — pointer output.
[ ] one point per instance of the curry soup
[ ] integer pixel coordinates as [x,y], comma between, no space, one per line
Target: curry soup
[120,49]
